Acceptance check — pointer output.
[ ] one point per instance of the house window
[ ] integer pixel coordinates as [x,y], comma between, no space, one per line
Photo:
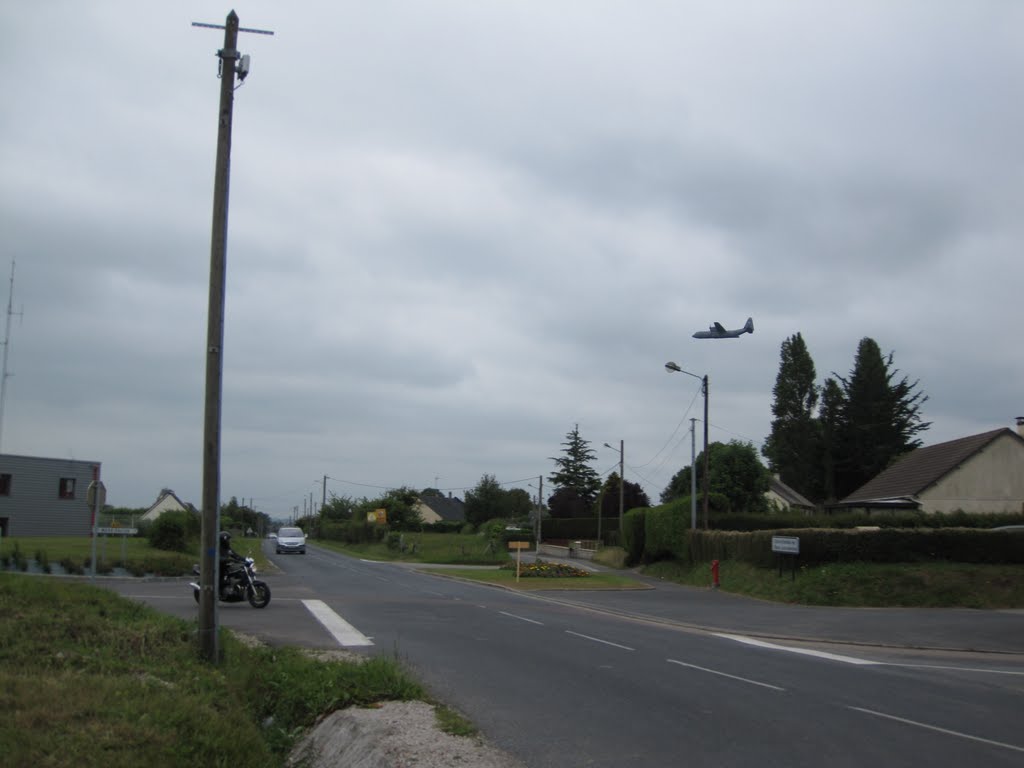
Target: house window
[5,485]
[66,489]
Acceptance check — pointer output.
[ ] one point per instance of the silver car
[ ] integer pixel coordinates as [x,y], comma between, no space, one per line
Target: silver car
[291,540]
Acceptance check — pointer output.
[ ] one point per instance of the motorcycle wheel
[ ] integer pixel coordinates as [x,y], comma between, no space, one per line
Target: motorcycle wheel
[258,594]
[195,594]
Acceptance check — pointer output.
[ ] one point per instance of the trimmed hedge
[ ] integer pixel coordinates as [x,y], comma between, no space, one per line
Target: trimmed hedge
[579,527]
[665,531]
[633,539]
[776,521]
[887,545]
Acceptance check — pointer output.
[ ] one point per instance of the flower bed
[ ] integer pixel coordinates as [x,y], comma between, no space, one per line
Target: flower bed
[542,569]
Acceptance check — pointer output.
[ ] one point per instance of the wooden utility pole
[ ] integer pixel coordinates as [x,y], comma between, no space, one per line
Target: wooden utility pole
[208,575]
[622,486]
[707,476]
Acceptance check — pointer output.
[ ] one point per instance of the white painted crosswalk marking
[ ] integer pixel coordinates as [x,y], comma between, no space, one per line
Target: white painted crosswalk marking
[346,635]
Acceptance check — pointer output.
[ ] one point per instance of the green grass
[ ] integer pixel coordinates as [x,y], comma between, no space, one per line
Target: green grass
[507,578]
[450,721]
[934,585]
[445,548]
[612,557]
[88,678]
[75,553]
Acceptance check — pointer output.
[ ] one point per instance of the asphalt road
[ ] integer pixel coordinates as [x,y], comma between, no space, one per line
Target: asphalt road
[630,678]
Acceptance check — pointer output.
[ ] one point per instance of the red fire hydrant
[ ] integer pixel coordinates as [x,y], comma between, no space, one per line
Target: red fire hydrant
[714,574]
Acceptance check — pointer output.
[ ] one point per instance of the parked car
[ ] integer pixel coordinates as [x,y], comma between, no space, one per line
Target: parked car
[291,540]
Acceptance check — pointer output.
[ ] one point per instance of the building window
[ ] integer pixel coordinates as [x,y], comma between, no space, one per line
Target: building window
[67,488]
[5,485]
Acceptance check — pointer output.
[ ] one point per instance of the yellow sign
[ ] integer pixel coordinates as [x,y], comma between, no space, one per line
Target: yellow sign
[380,516]
[519,545]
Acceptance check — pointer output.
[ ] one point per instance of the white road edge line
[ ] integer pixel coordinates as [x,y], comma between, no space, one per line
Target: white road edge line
[803,651]
[346,635]
[521,618]
[939,730]
[725,674]
[599,640]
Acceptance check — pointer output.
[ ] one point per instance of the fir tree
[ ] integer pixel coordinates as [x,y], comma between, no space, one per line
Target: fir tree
[880,418]
[793,447]
[574,470]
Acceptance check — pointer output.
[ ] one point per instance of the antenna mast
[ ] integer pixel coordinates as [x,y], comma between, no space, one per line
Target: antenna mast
[7,343]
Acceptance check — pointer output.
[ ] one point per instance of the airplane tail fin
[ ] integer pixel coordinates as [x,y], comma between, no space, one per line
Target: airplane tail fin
[749,326]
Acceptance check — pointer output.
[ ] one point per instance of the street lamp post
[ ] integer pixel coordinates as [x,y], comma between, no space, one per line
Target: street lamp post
[673,368]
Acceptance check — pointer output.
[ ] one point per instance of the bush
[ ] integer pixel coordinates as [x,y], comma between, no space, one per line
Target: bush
[354,532]
[442,526]
[172,531]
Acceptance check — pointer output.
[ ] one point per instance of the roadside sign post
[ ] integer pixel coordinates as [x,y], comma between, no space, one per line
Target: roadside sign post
[95,497]
[518,546]
[787,546]
[124,533]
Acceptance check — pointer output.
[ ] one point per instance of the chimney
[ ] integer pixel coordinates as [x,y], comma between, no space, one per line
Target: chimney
[1020,426]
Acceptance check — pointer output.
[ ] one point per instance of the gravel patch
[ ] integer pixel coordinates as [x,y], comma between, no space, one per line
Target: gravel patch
[397,734]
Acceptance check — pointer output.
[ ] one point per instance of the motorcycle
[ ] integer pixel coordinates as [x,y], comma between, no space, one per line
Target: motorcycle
[237,584]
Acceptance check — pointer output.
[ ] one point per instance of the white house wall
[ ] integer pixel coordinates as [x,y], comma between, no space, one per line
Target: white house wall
[167,504]
[990,481]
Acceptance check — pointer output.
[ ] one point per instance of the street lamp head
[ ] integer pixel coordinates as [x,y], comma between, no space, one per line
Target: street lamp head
[670,366]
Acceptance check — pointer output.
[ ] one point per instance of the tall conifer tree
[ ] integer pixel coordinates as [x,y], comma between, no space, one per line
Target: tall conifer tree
[793,447]
[880,417]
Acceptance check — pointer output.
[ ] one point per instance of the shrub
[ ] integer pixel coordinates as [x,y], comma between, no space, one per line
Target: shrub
[173,531]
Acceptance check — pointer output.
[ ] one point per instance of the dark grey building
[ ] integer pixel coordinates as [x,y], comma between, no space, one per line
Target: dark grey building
[45,497]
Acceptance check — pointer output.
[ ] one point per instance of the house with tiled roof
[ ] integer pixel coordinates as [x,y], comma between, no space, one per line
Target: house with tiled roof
[978,474]
[783,497]
[167,501]
[434,508]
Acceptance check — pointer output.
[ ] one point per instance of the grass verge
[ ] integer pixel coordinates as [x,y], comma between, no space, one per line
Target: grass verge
[926,585]
[73,554]
[88,678]
[507,578]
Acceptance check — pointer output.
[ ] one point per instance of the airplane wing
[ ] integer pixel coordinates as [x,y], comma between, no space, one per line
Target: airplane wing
[718,328]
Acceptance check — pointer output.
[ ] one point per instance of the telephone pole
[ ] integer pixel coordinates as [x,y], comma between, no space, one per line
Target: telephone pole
[230,64]
[7,343]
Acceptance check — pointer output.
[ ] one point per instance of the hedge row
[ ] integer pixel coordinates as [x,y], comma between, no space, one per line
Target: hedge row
[580,528]
[741,522]
[887,545]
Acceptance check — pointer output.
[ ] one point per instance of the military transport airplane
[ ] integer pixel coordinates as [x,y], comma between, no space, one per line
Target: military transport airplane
[716,331]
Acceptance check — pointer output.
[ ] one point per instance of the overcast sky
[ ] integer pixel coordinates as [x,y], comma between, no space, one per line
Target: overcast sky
[460,227]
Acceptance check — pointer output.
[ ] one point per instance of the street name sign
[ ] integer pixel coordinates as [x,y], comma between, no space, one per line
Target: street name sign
[786,545]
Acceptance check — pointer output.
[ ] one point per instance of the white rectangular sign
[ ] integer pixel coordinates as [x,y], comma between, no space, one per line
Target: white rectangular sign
[122,531]
[786,545]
